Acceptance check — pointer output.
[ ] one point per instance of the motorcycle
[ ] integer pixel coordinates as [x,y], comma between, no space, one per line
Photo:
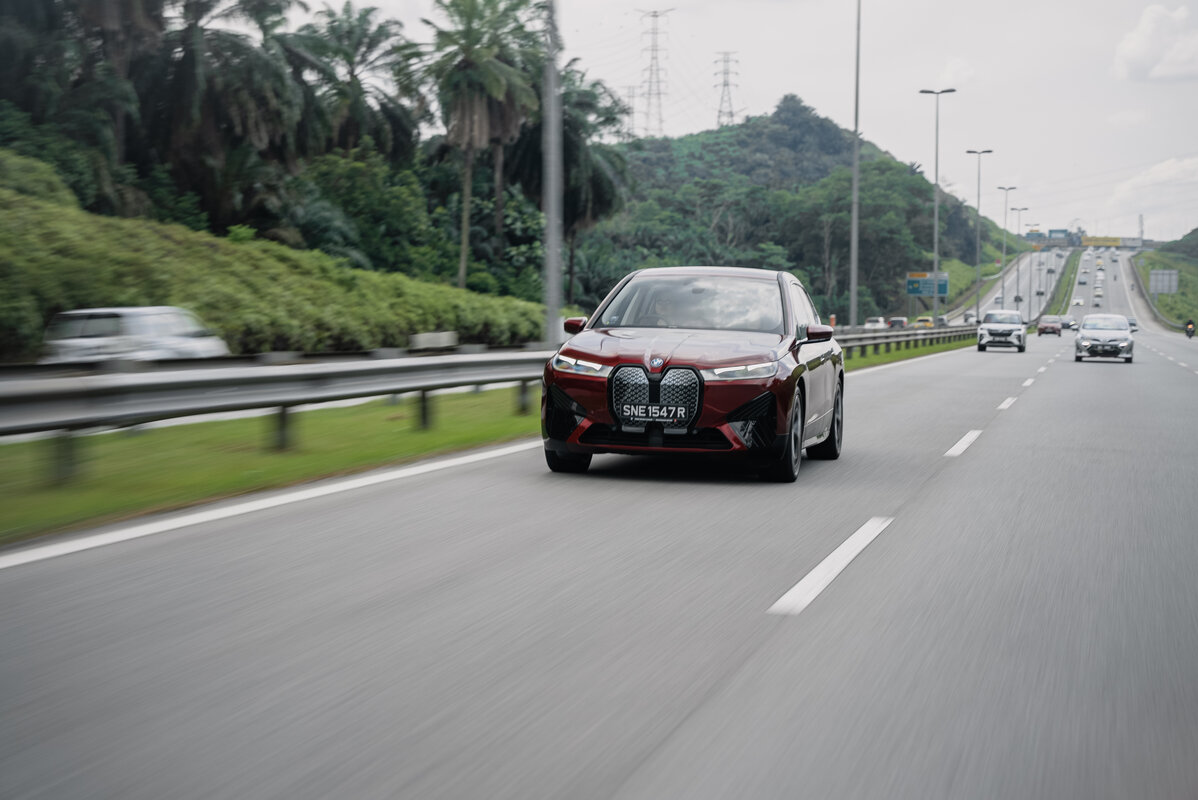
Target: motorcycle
[1190,331]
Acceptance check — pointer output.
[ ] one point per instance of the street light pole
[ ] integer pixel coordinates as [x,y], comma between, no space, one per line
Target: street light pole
[936,207]
[1006,190]
[1018,232]
[855,214]
[977,308]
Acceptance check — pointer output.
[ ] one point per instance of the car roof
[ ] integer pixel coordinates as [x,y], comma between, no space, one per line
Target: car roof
[125,310]
[739,272]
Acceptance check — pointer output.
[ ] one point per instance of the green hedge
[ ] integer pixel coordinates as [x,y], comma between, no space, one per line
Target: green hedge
[258,295]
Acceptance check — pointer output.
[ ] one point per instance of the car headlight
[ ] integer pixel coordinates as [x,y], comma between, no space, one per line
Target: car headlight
[578,366]
[744,372]
[1083,342]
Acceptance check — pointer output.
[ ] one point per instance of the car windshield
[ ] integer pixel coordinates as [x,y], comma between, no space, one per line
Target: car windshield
[706,302]
[1051,319]
[1104,324]
[1003,317]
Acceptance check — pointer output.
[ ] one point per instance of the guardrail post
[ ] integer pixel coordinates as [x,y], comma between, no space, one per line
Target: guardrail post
[523,407]
[283,428]
[66,464]
[426,409]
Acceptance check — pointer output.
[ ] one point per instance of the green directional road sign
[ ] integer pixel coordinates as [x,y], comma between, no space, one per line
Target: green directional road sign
[923,284]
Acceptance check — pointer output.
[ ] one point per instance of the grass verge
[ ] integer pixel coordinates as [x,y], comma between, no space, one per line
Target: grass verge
[127,473]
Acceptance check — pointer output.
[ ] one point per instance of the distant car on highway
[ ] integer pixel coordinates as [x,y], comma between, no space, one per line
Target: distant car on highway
[942,321]
[697,361]
[1068,323]
[1077,301]
[1082,280]
[135,333]
[923,322]
[875,323]
[1098,291]
[1002,329]
[897,322]
[1131,322]
[1104,336]
[1048,324]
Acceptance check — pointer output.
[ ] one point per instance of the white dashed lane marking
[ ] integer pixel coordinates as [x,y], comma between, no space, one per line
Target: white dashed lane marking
[1005,404]
[1029,382]
[818,579]
[963,445]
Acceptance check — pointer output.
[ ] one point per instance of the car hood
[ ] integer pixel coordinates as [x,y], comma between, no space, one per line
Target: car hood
[1103,335]
[701,349]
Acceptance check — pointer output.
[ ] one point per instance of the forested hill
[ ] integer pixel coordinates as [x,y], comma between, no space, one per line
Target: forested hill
[775,192]
[790,148]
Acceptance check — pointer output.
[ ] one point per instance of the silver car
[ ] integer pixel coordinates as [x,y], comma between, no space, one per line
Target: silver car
[137,333]
[1002,329]
[1104,336]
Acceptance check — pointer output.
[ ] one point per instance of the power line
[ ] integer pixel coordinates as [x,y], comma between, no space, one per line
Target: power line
[726,115]
[654,91]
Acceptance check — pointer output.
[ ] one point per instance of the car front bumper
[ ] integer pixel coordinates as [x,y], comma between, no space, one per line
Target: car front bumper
[742,417]
[1001,339]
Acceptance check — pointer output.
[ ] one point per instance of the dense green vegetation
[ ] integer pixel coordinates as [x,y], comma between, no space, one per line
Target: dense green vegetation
[259,295]
[1183,305]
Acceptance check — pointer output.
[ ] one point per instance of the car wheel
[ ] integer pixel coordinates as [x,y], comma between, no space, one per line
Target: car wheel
[1077,358]
[981,348]
[1127,360]
[567,462]
[829,449]
[786,468]
[1022,347]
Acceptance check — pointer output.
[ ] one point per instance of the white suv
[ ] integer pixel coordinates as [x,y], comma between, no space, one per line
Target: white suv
[1002,329]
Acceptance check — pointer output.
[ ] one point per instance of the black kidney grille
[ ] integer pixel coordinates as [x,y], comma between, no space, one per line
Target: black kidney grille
[629,385]
[680,387]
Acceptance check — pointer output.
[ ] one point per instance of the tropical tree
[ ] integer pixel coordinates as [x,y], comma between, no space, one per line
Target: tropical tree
[363,56]
[220,109]
[483,94]
[595,171]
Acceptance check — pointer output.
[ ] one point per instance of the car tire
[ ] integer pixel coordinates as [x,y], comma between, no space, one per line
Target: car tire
[1022,347]
[829,449]
[786,468]
[981,348]
[1127,360]
[1077,358]
[567,462]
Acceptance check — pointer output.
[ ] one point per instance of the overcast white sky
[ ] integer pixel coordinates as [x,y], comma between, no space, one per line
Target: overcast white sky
[1090,106]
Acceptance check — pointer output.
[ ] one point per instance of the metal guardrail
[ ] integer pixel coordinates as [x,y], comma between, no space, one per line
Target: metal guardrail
[123,399]
[72,404]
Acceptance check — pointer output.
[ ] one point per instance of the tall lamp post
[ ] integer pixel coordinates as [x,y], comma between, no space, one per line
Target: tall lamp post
[936,206]
[855,212]
[1039,276]
[1006,190]
[1019,232]
[977,307]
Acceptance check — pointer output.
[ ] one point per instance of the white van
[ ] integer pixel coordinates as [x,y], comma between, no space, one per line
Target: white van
[140,333]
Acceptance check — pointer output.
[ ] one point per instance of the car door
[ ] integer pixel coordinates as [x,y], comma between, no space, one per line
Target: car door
[817,356]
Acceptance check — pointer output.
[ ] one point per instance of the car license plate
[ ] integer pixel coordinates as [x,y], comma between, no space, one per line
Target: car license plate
[654,412]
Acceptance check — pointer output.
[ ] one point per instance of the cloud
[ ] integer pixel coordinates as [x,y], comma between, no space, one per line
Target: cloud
[957,72]
[1164,193]
[1162,47]
[1128,118]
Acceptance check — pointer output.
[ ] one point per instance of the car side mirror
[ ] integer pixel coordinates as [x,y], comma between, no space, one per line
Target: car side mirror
[574,324]
[819,333]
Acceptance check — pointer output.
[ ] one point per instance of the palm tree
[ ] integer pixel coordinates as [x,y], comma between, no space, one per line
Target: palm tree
[363,53]
[596,172]
[208,93]
[483,94]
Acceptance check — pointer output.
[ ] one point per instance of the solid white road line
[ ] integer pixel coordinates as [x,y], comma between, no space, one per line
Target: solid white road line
[963,445]
[42,552]
[1005,404]
[818,579]
[1029,381]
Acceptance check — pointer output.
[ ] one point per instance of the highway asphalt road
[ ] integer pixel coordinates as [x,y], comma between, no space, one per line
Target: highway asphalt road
[1025,626]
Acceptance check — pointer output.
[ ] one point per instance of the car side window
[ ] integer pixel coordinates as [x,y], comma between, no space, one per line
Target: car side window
[804,313]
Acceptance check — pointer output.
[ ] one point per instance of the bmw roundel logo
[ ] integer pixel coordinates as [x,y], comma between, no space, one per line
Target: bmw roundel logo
[656,362]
